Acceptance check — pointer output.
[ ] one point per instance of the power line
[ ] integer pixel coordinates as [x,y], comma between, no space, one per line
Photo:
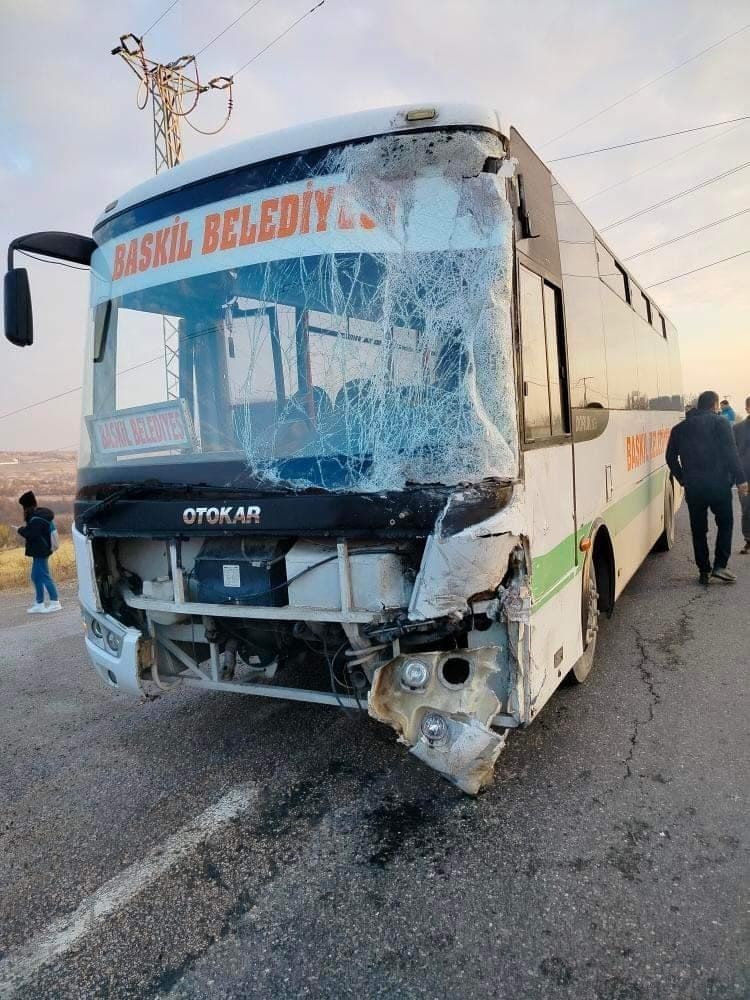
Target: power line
[660,163]
[46,260]
[69,392]
[235,21]
[696,269]
[163,14]
[674,197]
[650,83]
[676,239]
[278,38]
[652,138]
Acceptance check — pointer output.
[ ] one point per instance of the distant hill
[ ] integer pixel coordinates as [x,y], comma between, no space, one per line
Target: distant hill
[50,474]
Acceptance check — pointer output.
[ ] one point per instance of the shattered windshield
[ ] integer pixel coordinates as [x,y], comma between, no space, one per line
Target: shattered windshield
[349,331]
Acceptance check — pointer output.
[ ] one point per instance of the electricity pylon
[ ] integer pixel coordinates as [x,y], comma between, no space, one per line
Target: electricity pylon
[174,89]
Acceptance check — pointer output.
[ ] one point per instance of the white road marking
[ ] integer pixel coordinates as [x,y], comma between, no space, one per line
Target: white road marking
[60,936]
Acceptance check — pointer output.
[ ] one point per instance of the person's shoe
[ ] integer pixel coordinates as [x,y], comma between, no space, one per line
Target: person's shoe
[704,579]
[52,606]
[725,575]
[745,550]
[36,609]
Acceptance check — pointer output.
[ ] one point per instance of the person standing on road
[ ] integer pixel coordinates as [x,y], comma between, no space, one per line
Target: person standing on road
[742,440]
[727,411]
[702,457]
[37,531]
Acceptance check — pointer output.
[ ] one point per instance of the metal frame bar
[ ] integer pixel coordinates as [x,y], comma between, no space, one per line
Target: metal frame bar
[175,651]
[274,691]
[285,614]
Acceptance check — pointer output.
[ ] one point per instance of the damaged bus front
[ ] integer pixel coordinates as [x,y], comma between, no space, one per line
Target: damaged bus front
[299,466]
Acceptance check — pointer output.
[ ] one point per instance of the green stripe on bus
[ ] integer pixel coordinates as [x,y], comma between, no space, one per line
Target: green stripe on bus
[551,571]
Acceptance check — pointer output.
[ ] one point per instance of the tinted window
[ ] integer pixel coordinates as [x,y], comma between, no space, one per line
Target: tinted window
[554,349]
[648,381]
[534,357]
[622,362]
[640,303]
[586,358]
[611,273]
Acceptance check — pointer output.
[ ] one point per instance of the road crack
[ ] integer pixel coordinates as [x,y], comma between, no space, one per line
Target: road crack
[667,643]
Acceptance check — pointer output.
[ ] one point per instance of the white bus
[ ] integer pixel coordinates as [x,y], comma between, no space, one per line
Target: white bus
[372,418]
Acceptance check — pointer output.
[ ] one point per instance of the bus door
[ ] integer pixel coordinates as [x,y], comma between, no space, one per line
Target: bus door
[549,474]
[548,447]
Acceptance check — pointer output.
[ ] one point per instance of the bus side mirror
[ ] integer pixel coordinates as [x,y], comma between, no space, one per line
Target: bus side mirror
[19,323]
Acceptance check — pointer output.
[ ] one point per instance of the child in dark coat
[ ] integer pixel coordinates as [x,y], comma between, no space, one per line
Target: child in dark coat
[37,533]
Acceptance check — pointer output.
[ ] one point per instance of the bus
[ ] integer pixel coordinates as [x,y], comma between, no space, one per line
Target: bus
[372,418]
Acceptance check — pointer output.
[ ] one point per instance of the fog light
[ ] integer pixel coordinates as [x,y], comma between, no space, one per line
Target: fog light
[96,629]
[434,728]
[414,674]
[114,642]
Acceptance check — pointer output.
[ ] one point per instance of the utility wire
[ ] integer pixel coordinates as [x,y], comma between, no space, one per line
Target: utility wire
[652,138]
[46,260]
[235,21]
[683,236]
[278,38]
[643,86]
[696,269]
[660,163]
[674,197]
[163,14]
[69,392]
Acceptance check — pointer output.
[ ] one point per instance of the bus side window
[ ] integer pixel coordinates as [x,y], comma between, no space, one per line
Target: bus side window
[542,349]
[555,351]
[536,406]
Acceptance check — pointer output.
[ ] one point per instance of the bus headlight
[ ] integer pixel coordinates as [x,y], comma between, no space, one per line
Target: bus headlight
[434,728]
[96,629]
[114,642]
[414,674]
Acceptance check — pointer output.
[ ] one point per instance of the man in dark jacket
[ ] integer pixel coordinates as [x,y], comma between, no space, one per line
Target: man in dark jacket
[742,440]
[702,456]
[37,532]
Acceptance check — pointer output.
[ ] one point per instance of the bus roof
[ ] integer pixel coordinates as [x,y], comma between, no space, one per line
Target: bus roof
[311,135]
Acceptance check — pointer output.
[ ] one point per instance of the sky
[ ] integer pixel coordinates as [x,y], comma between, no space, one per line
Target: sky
[72,138]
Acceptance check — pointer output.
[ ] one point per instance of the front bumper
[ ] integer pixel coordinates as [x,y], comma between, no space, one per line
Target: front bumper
[118,669]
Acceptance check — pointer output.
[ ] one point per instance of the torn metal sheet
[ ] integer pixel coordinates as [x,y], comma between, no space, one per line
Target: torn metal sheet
[455,568]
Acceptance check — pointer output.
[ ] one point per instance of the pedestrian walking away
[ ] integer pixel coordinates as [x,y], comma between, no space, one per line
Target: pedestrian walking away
[727,411]
[742,440]
[40,534]
[702,456]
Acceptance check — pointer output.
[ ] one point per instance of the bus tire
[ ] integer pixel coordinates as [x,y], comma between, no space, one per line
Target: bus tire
[589,626]
[665,541]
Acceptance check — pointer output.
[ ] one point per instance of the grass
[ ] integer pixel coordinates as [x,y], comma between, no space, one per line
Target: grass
[15,566]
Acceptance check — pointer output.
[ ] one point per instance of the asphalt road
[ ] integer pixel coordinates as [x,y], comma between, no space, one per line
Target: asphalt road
[223,847]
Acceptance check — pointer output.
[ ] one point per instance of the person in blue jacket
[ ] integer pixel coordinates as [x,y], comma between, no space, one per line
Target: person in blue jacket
[37,533]
[727,411]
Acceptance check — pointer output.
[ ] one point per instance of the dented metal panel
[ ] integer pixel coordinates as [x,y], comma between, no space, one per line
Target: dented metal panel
[464,749]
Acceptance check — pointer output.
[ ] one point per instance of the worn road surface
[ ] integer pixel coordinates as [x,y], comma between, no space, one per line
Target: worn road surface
[224,847]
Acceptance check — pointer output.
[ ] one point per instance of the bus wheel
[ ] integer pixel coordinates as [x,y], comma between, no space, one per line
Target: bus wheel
[589,627]
[665,541]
